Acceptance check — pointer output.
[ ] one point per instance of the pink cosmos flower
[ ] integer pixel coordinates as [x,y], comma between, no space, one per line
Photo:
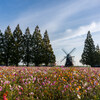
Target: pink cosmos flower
[45,77]
[0,88]
[62,66]
[4,98]
[6,82]
[21,88]
[34,78]
[20,93]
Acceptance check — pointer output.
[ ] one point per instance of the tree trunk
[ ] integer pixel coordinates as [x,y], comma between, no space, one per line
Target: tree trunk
[27,64]
[36,64]
[46,64]
[7,62]
[17,64]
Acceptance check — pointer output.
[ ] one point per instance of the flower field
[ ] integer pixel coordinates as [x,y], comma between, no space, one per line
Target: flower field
[45,83]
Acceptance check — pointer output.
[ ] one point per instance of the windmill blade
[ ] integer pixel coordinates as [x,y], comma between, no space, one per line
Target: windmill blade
[72,51]
[64,51]
[63,59]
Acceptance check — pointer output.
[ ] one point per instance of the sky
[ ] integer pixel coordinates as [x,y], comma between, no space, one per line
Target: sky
[67,22]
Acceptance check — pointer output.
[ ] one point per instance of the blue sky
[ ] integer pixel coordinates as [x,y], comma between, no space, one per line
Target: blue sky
[67,21]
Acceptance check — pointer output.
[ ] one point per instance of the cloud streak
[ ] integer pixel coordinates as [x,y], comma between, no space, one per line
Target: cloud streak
[52,18]
[93,27]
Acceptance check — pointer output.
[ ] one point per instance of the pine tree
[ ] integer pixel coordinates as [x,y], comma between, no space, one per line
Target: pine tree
[88,55]
[37,47]
[1,48]
[97,55]
[7,46]
[49,56]
[97,48]
[27,47]
[17,45]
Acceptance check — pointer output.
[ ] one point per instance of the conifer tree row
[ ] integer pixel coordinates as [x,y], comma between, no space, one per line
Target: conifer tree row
[27,48]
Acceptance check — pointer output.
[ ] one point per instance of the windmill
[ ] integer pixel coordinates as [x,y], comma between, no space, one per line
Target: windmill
[68,58]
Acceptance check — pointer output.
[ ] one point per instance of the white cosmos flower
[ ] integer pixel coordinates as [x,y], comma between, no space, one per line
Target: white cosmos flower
[85,84]
[78,96]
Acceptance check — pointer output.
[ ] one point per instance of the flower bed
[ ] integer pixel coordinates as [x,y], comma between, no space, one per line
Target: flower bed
[45,83]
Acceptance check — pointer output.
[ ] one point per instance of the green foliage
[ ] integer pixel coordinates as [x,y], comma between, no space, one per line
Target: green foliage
[27,47]
[49,56]
[97,55]
[17,45]
[7,46]
[1,48]
[37,47]
[88,55]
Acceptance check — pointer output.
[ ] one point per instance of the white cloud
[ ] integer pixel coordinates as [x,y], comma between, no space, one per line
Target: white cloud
[93,27]
[68,31]
[52,18]
[65,11]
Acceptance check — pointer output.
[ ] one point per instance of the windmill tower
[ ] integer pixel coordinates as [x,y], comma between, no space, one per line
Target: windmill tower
[68,57]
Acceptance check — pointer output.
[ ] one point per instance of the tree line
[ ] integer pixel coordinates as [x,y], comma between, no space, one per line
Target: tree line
[26,48]
[91,53]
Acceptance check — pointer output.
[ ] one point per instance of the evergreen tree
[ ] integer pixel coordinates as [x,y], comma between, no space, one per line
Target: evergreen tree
[17,45]
[7,46]
[97,56]
[97,48]
[1,48]
[49,56]
[37,47]
[27,47]
[88,55]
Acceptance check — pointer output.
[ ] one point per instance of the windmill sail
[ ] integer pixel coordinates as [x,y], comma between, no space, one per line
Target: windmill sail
[72,51]
[64,51]
[63,59]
